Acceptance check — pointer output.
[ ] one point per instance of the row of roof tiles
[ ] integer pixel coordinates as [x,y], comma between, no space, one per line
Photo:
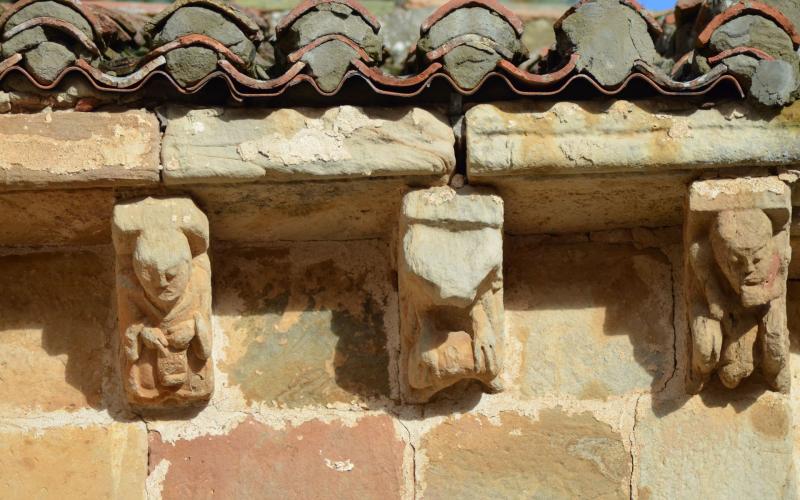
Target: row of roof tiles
[749,45]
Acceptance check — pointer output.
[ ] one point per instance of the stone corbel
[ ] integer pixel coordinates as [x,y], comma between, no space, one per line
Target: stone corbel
[163,301]
[736,260]
[451,290]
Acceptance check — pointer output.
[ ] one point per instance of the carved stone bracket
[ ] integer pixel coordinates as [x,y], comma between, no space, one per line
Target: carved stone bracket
[451,290]
[163,301]
[737,257]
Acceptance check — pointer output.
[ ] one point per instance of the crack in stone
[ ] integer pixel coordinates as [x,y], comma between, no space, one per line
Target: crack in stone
[413,457]
[632,441]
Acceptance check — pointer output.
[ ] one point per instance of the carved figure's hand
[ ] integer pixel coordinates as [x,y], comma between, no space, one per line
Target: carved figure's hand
[202,339]
[706,345]
[131,342]
[154,339]
[484,350]
[775,346]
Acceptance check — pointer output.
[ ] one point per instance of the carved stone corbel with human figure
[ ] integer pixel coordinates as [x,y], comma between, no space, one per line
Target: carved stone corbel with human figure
[451,290]
[737,259]
[164,301]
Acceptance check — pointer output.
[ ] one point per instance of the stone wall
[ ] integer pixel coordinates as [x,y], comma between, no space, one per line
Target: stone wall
[304,223]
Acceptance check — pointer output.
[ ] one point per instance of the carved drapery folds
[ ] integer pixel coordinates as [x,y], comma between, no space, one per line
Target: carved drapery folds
[737,257]
[451,290]
[163,301]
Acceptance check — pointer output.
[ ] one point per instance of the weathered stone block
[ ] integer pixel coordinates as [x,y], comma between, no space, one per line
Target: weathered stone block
[582,203]
[236,145]
[306,324]
[55,314]
[53,218]
[594,320]
[74,462]
[558,455]
[715,447]
[324,210]
[66,148]
[620,136]
[312,460]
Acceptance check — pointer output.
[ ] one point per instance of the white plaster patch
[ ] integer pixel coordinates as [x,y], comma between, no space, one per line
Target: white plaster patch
[155,481]
[307,146]
[339,465]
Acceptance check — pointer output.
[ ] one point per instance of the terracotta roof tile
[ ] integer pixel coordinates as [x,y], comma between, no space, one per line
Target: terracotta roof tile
[464,44]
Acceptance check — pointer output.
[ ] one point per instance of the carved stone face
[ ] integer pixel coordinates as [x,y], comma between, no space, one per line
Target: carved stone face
[746,253]
[163,267]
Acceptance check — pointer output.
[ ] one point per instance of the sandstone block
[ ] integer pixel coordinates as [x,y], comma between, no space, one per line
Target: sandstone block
[236,145]
[96,462]
[620,136]
[582,203]
[68,148]
[716,447]
[306,324]
[54,324]
[595,320]
[322,210]
[312,460]
[55,218]
[558,455]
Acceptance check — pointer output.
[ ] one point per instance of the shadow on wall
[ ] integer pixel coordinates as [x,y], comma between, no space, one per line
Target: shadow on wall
[55,322]
[597,320]
[306,324]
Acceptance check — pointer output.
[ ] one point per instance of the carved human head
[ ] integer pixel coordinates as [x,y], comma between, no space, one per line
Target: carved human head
[744,248]
[163,265]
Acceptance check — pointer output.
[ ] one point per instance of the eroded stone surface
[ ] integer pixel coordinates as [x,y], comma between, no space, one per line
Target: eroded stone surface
[303,143]
[74,462]
[55,318]
[558,455]
[737,259]
[312,460]
[63,147]
[54,218]
[164,300]
[451,290]
[719,447]
[306,324]
[595,320]
[567,137]
[537,204]
[332,211]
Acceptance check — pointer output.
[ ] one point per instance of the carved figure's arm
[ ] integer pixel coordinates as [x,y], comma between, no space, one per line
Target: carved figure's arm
[705,271]
[153,338]
[131,341]
[775,345]
[706,302]
[484,342]
[201,342]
